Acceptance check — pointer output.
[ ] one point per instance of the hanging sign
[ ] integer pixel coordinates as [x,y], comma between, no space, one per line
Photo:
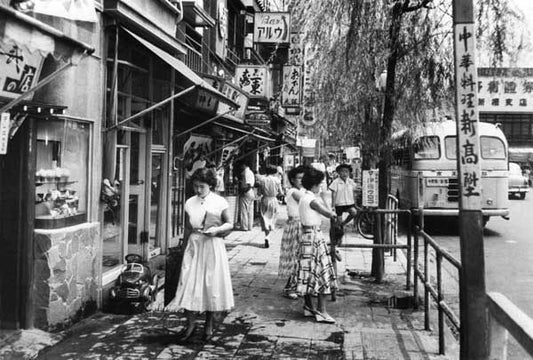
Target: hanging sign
[292,86]
[19,70]
[252,79]
[221,29]
[370,190]
[270,27]
[206,101]
[4,132]
[296,52]
[308,117]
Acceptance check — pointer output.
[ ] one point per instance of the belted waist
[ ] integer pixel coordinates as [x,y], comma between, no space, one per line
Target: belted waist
[310,228]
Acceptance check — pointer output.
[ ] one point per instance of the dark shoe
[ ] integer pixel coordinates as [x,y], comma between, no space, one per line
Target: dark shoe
[267,245]
[185,334]
[308,312]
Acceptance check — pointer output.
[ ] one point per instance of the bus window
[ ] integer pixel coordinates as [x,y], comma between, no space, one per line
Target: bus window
[427,147]
[491,147]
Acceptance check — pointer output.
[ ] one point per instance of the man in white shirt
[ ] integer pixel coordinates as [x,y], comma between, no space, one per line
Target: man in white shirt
[344,193]
[246,198]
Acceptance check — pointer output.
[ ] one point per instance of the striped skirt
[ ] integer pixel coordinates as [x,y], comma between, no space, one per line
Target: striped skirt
[316,274]
[288,257]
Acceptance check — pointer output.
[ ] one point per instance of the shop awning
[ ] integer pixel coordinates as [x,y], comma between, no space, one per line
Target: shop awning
[24,31]
[184,70]
[250,132]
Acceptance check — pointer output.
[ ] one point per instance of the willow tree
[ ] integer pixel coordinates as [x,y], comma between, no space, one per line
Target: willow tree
[353,41]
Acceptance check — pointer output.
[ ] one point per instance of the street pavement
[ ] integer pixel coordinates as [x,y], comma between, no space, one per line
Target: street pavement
[263,325]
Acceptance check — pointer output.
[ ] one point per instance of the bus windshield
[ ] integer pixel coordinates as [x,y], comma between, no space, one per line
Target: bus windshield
[491,147]
[427,147]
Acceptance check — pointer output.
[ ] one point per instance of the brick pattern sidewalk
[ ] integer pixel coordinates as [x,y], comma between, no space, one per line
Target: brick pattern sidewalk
[264,324]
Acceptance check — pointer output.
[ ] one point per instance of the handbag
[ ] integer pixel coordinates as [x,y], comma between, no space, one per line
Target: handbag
[173,262]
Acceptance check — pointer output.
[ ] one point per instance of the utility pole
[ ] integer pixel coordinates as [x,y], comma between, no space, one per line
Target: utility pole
[473,305]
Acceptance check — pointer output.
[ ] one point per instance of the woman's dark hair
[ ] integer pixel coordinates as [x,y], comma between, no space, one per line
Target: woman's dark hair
[271,170]
[295,171]
[206,176]
[312,177]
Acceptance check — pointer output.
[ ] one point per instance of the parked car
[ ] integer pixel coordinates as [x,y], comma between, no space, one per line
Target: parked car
[518,183]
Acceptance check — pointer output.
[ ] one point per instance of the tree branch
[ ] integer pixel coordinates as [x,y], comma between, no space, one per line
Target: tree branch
[420,5]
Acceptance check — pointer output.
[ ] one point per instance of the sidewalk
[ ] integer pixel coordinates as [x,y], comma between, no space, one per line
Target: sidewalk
[263,325]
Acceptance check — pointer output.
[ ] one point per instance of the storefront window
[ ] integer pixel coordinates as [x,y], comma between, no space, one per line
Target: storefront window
[62,172]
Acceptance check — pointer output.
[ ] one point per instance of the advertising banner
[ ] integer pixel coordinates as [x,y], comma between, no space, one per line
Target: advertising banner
[292,86]
[505,89]
[253,79]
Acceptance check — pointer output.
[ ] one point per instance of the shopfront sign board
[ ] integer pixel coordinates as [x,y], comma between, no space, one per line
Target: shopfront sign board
[19,70]
[272,27]
[505,89]
[253,79]
[292,86]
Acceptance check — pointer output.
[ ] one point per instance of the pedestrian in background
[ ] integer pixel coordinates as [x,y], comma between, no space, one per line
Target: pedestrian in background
[270,188]
[246,198]
[290,240]
[343,195]
[316,275]
[205,283]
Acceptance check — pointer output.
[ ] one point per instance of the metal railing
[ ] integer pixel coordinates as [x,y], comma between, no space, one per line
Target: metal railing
[391,230]
[425,277]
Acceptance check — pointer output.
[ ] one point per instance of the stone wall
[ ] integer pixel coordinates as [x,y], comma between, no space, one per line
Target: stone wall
[66,274]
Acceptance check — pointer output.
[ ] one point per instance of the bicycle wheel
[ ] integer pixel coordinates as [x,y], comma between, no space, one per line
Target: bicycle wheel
[365,225]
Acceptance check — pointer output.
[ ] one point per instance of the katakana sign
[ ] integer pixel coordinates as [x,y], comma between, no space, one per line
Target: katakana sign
[292,86]
[467,117]
[505,89]
[252,79]
[272,27]
[19,70]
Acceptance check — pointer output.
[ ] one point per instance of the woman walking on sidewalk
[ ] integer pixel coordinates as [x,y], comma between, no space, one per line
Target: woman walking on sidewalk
[270,188]
[288,258]
[204,284]
[316,275]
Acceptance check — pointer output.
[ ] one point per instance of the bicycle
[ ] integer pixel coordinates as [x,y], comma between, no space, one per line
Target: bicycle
[365,222]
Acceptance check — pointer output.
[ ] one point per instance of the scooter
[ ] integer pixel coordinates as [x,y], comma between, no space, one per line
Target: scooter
[135,286]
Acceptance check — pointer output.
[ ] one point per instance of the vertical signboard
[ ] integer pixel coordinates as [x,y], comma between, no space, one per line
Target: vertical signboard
[4,132]
[272,28]
[467,118]
[252,79]
[296,52]
[370,190]
[308,117]
[221,29]
[292,86]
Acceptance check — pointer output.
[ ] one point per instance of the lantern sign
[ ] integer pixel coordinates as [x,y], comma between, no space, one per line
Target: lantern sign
[505,89]
[221,29]
[296,51]
[252,79]
[467,117]
[270,27]
[19,70]
[292,86]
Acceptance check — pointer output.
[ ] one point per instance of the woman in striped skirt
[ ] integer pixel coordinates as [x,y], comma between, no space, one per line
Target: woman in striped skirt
[288,258]
[316,275]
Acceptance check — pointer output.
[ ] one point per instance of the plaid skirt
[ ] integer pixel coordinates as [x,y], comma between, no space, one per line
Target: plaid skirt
[288,257]
[316,274]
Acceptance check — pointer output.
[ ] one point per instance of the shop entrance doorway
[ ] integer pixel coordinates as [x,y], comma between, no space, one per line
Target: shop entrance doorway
[138,186]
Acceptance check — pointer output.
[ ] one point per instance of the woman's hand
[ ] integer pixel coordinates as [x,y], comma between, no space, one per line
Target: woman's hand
[212,231]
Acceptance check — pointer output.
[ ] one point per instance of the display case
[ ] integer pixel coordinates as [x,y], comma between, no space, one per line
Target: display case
[62,171]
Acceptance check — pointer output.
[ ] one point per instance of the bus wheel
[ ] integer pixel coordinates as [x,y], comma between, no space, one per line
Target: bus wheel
[485,220]
[522,196]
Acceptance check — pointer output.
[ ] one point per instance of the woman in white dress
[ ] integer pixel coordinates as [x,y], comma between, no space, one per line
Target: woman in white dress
[205,283]
[270,188]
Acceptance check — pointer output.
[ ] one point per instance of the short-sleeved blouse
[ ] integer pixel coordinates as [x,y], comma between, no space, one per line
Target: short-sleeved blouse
[196,208]
[292,204]
[308,216]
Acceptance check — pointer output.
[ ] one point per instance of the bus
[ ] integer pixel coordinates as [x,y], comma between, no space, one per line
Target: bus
[423,173]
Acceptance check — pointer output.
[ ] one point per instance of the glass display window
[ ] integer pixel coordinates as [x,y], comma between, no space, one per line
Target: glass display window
[61,178]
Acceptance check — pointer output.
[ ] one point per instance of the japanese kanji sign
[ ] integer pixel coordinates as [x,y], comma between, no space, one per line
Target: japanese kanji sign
[272,27]
[19,70]
[296,51]
[4,132]
[308,116]
[206,101]
[505,90]
[371,188]
[467,117]
[221,29]
[292,86]
[252,79]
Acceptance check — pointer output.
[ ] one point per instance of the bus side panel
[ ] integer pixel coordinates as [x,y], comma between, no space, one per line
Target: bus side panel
[495,192]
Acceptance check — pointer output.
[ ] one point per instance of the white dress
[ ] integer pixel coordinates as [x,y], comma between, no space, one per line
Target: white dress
[205,282]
